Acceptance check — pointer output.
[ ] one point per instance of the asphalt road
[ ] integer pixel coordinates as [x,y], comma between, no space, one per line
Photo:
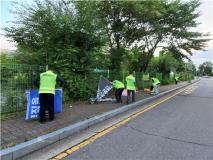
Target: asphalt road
[178,129]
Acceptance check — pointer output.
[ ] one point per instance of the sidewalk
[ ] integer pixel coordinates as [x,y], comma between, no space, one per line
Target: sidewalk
[17,130]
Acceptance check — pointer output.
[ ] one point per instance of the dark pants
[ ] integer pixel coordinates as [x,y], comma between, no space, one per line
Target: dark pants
[128,95]
[152,87]
[46,103]
[118,94]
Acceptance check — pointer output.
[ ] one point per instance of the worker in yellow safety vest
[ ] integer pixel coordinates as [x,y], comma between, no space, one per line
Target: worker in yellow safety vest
[130,86]
[119,87]
[176,79]
[46,83]
[155,86]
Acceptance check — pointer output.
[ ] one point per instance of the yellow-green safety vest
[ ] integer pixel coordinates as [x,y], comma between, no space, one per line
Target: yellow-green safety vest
[117,84]
[130,83]
[156,81]
[47,82]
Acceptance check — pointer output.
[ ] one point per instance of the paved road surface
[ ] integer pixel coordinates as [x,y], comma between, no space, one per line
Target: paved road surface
[179,129]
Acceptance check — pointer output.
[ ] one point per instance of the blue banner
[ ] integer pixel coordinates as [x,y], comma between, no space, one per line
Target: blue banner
[33,105]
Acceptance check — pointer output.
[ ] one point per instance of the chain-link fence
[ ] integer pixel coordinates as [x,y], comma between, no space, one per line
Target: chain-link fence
[15,80]
[143,80]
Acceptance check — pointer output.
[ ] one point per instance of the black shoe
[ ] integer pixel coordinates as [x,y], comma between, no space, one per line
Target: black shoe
[51,119]
[42,121]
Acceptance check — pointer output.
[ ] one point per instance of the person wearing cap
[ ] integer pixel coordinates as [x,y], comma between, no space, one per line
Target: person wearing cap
[119,87]
[46,83]
[155,86]
[130,86]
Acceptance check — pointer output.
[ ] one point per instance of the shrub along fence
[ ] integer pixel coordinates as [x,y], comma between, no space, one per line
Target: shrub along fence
[17,78]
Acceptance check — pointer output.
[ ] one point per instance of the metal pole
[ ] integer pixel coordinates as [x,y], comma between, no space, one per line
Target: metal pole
[123,75]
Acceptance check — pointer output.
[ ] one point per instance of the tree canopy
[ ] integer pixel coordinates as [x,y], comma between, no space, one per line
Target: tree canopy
[78,36]
[206,68]
[77,33]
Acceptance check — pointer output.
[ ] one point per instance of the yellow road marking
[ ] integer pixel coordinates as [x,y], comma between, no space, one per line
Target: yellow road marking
[60,156]
[190,90]
[107,130]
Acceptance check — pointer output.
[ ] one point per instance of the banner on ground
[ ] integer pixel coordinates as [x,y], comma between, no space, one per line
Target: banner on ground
[33,105]
[104,86]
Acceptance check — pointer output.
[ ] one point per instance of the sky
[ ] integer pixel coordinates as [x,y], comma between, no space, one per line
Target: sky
[206,19]
[206,10]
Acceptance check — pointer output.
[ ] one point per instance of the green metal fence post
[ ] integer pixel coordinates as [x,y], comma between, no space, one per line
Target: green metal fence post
[123,75]
[108,73]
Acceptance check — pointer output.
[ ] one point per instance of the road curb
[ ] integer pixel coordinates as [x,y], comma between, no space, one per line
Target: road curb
[25,148]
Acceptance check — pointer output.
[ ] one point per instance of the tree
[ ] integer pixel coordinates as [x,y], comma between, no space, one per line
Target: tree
[76,36]
[61,33]
[6,59]
[169,26]
[115,26]
[206,68]
[164,64]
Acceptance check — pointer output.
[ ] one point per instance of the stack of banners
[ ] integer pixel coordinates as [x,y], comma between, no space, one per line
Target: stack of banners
[104,86]
[33,105]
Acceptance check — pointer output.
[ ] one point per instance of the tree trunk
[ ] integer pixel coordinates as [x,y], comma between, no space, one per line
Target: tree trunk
[146,62]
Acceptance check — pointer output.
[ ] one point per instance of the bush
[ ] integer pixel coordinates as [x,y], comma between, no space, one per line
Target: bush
[79,87]
[13,101]
[165,81]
